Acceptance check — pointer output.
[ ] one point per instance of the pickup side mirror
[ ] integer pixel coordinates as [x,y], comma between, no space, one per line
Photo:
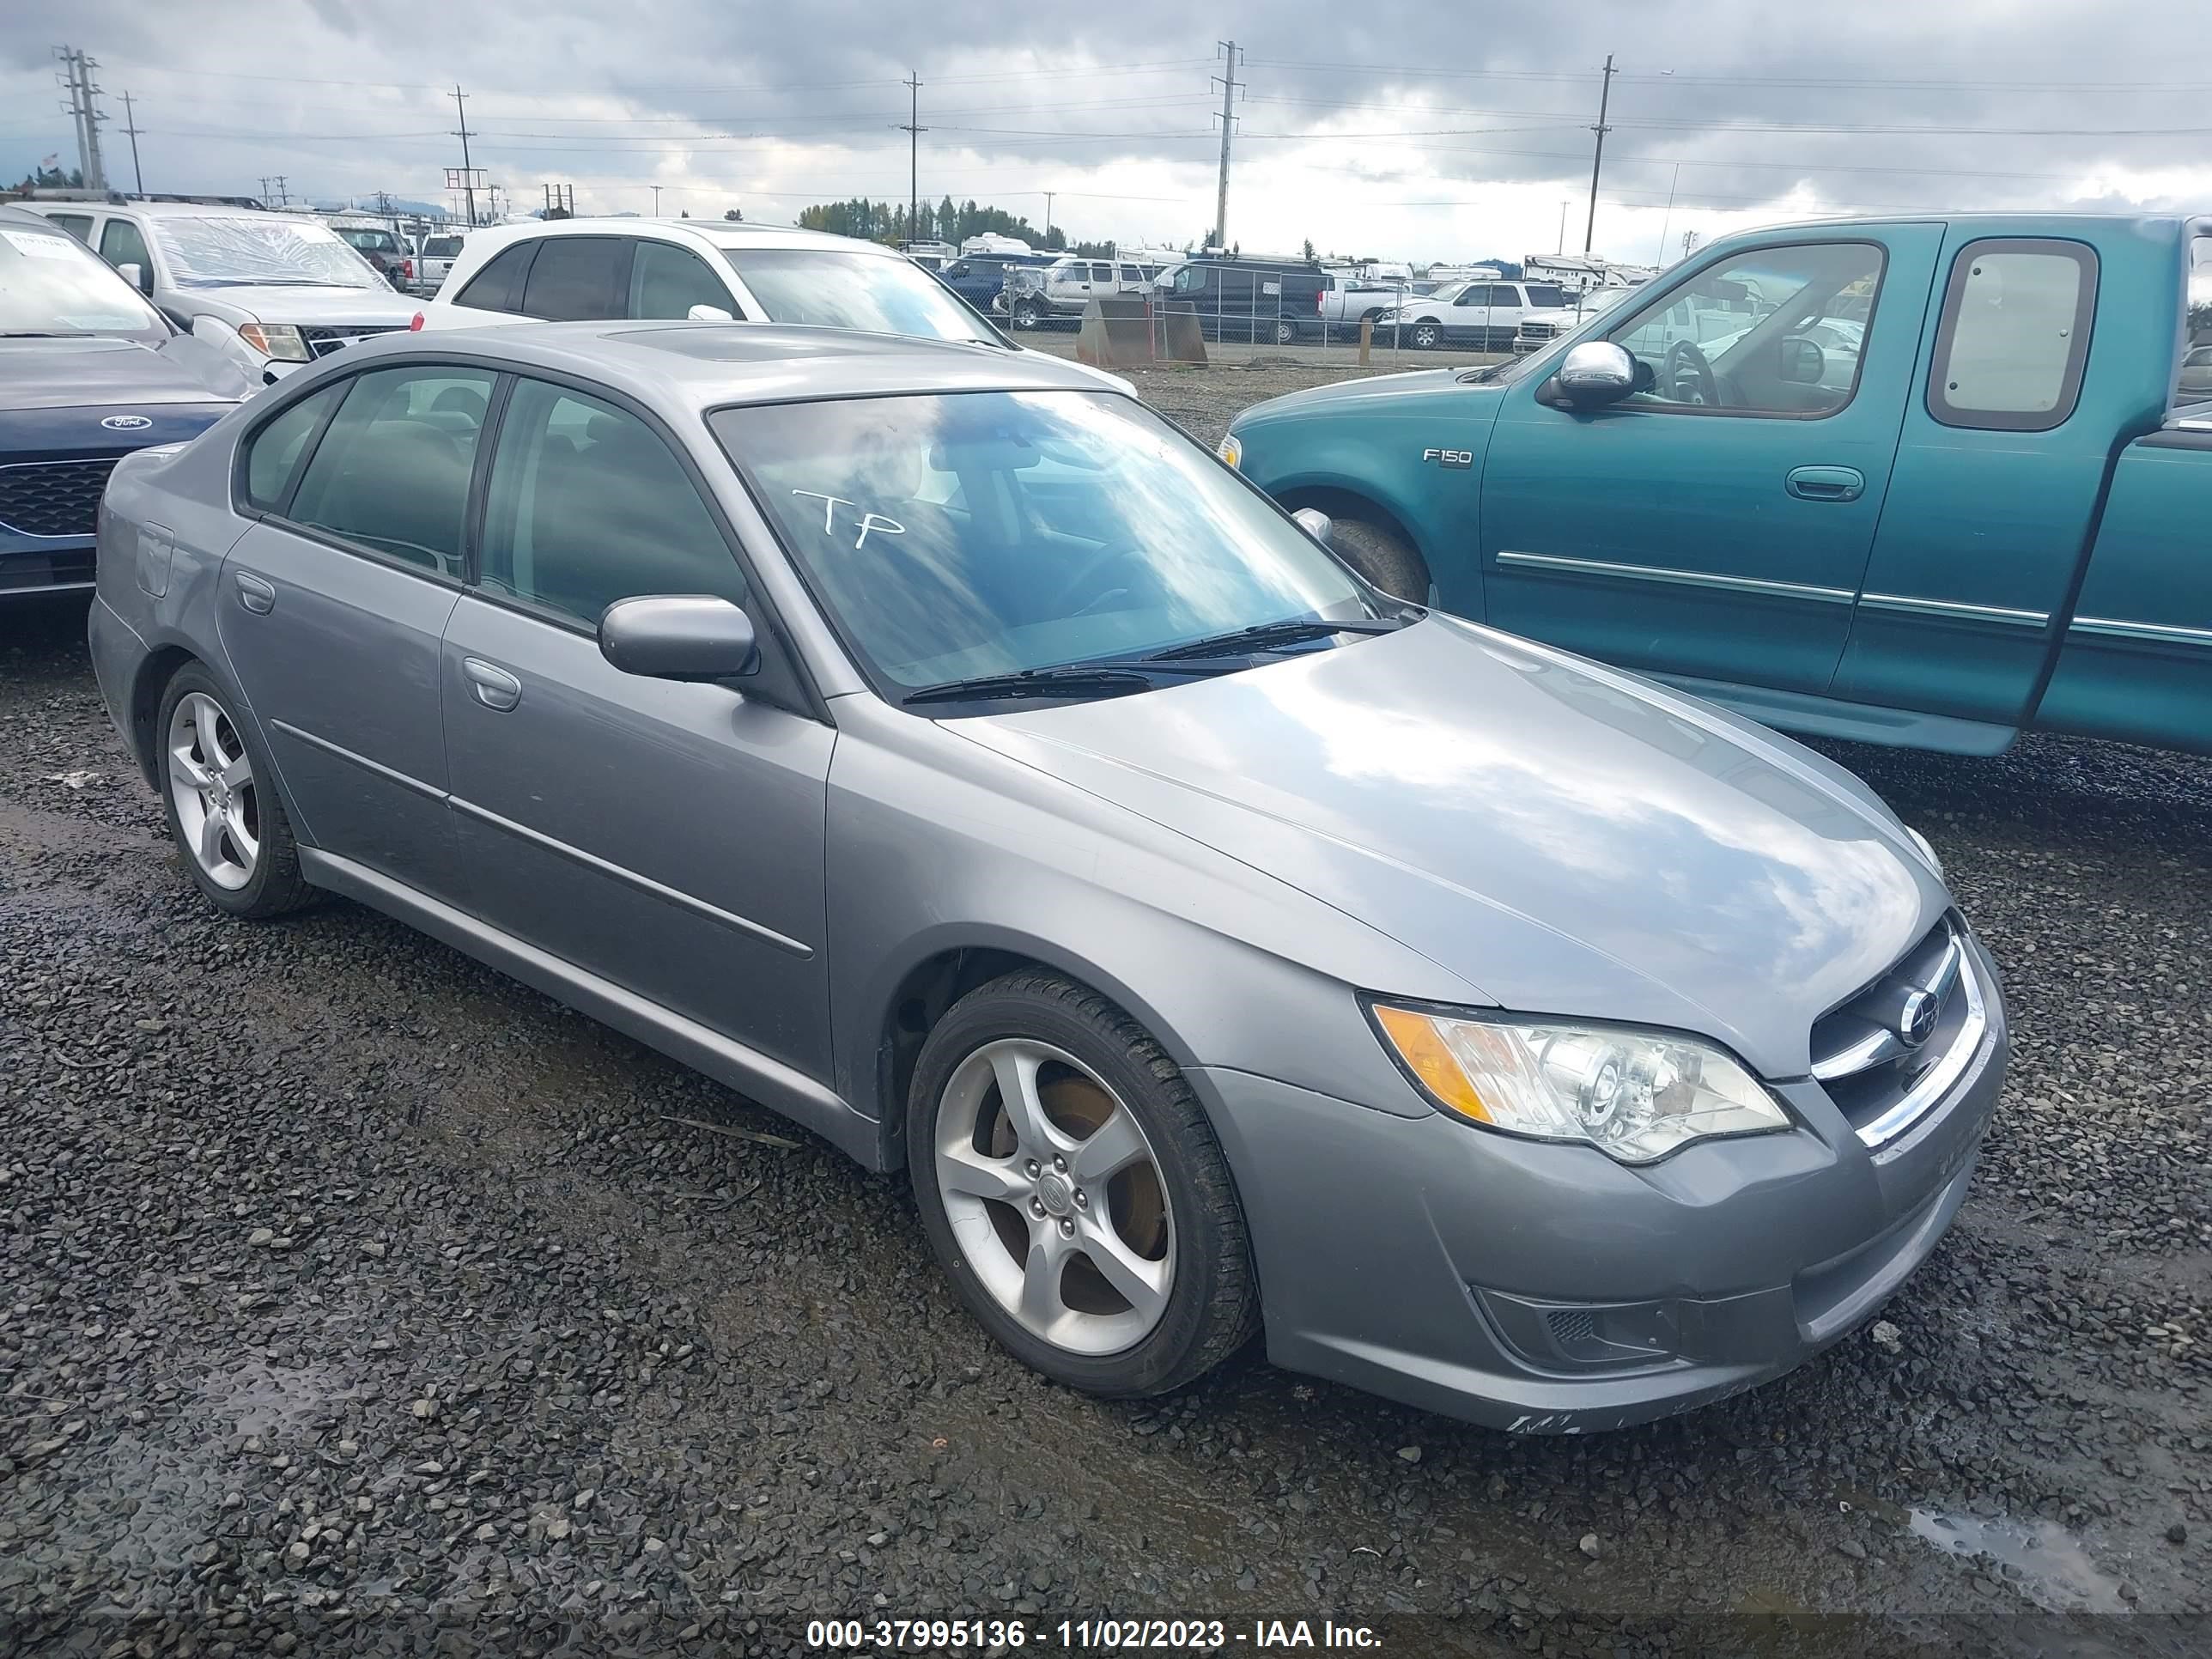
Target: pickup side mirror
[134,274]
[679,637]
[1596,373]
[1802,362]
[1315,523]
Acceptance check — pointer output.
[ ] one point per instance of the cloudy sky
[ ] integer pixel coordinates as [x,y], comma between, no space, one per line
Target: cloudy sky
[1388,129]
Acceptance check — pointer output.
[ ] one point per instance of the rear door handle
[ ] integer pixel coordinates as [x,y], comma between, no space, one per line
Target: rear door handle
[256,595]
[494,687]
[1825,483]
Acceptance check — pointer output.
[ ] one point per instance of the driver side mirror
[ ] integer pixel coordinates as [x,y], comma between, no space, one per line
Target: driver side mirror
[705,313]
[1598,372]
[134,274]
[1315,523]
[679,637]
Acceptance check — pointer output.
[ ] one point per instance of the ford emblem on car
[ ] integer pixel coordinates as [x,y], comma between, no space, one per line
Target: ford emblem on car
[126,423]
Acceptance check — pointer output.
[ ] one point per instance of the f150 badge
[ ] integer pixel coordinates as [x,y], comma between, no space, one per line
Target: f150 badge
[1454,458]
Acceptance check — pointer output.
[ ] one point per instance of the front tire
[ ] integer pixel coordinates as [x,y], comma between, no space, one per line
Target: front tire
[223,813]
[1384,557]
[1425,337]
[1286,332]
[1073,1191]
[1027,313]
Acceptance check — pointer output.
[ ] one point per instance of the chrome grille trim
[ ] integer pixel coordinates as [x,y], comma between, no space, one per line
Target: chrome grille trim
[1940,1078]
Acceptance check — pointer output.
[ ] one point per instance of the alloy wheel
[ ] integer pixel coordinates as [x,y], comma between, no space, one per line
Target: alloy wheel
[1054,1196]
[211,786]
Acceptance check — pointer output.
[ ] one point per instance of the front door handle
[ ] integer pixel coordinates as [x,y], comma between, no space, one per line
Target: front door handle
[255,594]
[494,687]
[1825,483]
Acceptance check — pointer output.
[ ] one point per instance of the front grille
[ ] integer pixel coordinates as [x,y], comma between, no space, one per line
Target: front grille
[323,341]
[1896,1048]
[53,498]
[1539,330]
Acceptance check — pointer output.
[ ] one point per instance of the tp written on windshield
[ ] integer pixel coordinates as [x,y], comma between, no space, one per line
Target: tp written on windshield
[206,252]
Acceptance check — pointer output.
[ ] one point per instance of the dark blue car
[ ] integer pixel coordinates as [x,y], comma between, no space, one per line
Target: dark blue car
[88,373]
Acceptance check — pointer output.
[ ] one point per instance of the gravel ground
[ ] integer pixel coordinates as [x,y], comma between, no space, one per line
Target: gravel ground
[356,1299]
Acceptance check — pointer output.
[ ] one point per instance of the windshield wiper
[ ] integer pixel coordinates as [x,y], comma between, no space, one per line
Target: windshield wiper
[1266,636]
[44,333]
[1106,677]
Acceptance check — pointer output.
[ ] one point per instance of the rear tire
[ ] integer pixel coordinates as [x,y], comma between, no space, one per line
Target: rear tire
[219,795]
[1041,1260]
[1384,557]
[1287,332]
[1027,313]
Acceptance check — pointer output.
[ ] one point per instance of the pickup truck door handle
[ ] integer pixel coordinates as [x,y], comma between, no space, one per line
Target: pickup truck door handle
[495,688]
[1825,483]
[256,595]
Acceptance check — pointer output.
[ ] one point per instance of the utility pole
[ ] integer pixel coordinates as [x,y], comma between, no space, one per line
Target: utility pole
[656,201]
[1228,79]
[1049,195]
[1564,206]
[84,107]
[1597,160]
[913,130]
[131,126]
[274,186]
[468,171]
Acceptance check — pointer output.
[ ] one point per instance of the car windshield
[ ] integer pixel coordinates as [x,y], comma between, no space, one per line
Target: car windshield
[50,285]
[248,250]
[828,289]
[1550,295]
[956,535]
[370,241]
[1449,292]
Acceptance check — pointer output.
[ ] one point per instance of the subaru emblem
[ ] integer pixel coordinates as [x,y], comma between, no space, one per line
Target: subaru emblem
[126,423]
[1916,1021]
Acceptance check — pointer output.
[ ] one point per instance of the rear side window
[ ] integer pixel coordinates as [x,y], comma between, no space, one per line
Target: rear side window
[274,453]
[391,473]
[666,281]
[2015,335]
[574,279]
[498,286]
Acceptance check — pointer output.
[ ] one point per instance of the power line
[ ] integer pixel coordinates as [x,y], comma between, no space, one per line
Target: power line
[1885,83]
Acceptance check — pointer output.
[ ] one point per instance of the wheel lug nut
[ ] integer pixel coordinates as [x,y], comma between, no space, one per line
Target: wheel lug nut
[1031,1166]
[1060,1163]
[1036,1206]
[1067,1230]
[1082,1199]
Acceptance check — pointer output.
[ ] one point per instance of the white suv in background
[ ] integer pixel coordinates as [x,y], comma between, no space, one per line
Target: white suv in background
[434,257]
[1033,295]
[1484,313]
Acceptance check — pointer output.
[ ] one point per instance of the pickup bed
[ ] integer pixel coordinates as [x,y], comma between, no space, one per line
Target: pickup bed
[1926,482]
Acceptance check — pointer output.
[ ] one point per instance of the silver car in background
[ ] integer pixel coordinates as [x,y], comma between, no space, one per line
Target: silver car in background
[950,755]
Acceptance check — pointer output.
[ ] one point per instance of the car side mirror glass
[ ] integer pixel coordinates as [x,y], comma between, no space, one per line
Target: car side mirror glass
[708,314]
[679,637]
[1599,371]
[134,274]
[1315,523]
[1802,360]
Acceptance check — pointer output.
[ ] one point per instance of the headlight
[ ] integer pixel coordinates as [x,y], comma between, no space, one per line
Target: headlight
[279,340]
[1926,851]
[1231,450]
[1635,1095]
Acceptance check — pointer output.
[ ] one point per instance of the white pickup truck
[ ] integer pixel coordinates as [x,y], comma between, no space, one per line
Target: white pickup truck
[1347,300]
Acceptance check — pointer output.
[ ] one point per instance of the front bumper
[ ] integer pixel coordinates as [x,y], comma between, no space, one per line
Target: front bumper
[1542,1288]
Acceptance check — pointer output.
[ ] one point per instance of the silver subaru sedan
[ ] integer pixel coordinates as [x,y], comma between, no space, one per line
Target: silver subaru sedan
[952,756]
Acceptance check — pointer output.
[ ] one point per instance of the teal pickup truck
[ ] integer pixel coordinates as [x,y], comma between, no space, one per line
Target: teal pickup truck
[1928,482]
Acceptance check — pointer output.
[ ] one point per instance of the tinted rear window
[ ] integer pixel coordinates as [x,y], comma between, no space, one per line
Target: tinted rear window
[574,278]
[498,286]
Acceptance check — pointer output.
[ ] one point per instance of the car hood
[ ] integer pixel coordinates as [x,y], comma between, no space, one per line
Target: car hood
[1369,388]
[369,307]
[1573,841]
[94,372]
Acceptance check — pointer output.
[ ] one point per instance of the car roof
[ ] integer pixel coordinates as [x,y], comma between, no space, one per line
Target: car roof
[12,215]
[708,365]
[722,233]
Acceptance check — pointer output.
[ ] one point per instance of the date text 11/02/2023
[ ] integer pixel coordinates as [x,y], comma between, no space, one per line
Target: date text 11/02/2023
[1086,1635]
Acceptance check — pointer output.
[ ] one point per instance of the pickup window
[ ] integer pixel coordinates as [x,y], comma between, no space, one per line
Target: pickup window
[1776,331]
[2015,335]
[2194,384]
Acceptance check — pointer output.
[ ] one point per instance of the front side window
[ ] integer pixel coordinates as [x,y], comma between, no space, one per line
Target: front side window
[666,281]
[391,472]
[976,533]
[120,244]
[588,505]
[574,279]
[52,284]
[2015,335]
[1550,295]
[1776,331]
[2196,382]
[273,454]
[498,286]
[826,287]
[263,251]
[1131,274]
